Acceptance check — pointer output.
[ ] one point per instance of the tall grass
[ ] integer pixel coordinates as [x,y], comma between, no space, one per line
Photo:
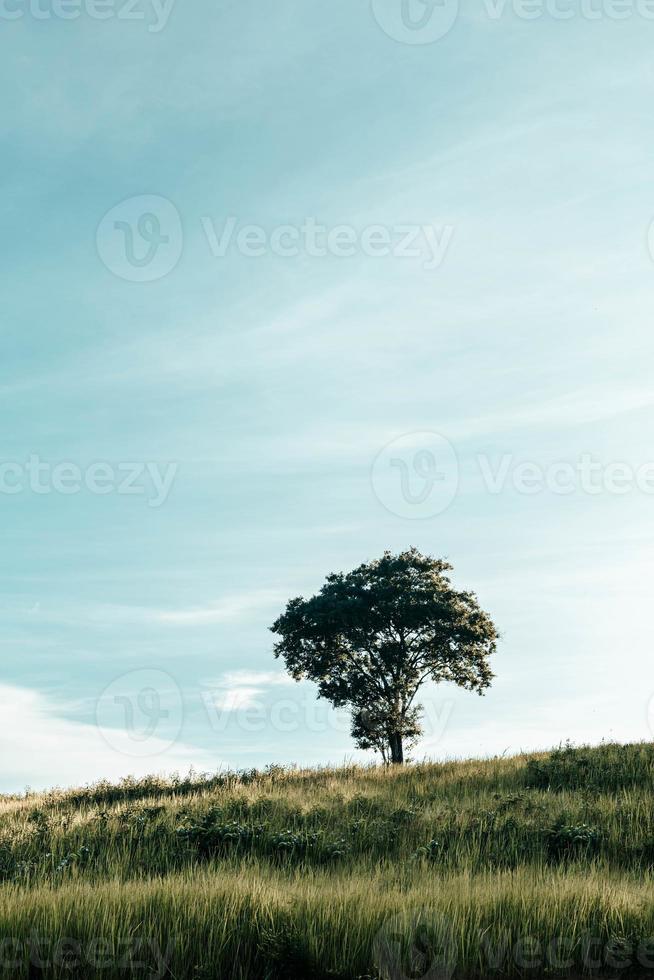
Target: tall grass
[508,867]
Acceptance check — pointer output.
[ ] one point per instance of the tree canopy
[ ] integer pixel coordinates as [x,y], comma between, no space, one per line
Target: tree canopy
[370,638]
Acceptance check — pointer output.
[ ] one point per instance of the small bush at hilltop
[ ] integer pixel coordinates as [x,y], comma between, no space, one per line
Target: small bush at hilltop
[605,767]
[296,873]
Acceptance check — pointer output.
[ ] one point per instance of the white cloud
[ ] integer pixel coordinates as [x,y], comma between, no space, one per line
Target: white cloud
[239,690]
[232,607]
[263,678]
[40,749]
[238,699]
[563,411]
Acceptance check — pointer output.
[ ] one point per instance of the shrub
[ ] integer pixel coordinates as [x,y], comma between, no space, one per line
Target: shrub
[566,841]
[606,768]
[433,849]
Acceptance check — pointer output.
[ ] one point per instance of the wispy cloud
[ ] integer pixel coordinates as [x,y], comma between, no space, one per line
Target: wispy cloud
[40,749]
[228,609]
[232,607]
[260,678]
[584,405]
[237,699]
[241,689]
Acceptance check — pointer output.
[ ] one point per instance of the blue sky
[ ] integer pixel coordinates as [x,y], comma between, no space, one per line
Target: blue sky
[135,624]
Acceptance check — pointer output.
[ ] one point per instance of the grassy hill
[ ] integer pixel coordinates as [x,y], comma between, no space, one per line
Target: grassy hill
[529,866]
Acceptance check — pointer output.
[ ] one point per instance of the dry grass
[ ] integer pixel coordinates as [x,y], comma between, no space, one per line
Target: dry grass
[471,869]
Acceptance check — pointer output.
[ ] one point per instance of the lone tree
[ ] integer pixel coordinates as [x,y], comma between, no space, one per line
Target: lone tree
[371,638]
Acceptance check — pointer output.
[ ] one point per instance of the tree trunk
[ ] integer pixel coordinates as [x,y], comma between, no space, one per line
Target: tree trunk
[397,751]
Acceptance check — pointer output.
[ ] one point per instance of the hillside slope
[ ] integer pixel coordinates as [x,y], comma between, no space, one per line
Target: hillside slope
[527,866]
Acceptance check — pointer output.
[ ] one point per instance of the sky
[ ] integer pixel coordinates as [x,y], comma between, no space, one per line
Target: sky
[286,286]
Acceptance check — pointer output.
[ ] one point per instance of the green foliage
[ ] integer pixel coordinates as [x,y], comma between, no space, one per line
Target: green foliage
[607,767]
[211,838]
[566,842]
[431,850]
[370,638]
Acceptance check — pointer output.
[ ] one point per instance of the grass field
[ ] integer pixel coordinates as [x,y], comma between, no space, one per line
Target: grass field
[531,866]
